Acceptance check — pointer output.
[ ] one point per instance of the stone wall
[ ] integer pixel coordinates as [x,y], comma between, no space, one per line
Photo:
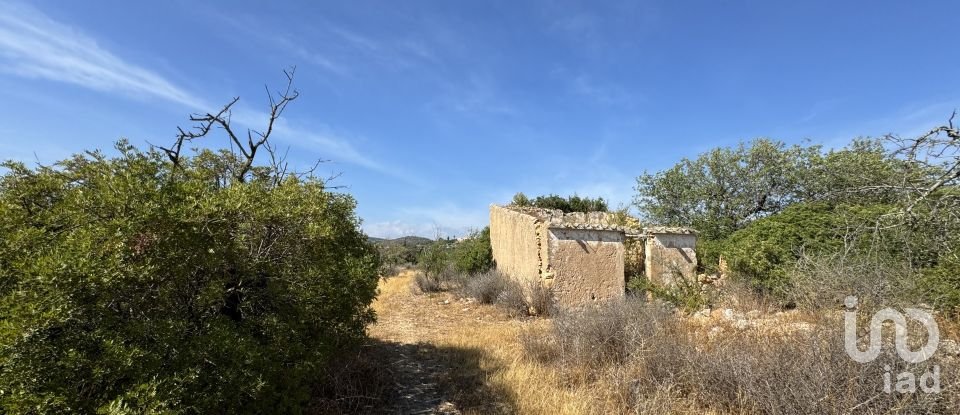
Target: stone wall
[515,240]
[667,252]
[581,256]
[587,265]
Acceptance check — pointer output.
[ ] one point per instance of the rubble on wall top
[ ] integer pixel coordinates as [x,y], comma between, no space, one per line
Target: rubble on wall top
[676,230]
[601,221]
[555,218]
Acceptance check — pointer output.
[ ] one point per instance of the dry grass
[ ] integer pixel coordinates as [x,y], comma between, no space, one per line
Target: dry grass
[634,357]
[490,370]
[485,287]
[489,373]
[640,357]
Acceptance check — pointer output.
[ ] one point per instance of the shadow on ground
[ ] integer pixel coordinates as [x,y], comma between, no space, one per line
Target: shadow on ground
[400,378]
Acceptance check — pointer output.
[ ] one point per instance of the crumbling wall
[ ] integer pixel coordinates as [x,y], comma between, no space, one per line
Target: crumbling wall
[515,241]
[587,265]
[583,257]
[669,252]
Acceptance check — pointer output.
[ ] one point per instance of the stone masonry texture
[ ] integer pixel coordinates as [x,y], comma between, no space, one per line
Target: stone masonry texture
[580,256]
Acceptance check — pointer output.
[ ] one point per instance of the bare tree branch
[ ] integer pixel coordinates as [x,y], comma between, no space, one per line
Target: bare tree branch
[255,139]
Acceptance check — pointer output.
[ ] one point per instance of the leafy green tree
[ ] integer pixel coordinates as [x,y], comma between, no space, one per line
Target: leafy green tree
[863,172]
[876,201]
[520,199]
[724,189]
[567,204]
[434,258]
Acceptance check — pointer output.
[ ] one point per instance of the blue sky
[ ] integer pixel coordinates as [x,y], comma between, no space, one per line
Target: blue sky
[434,110]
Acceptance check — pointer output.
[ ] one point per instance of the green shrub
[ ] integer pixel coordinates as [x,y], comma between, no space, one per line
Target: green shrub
[474,254]
[400,253]
[434,259]
[685,292]
[763,252]
[709,252]
[132,285]
[486,287]
[567,204]
[940,285]
[520,199]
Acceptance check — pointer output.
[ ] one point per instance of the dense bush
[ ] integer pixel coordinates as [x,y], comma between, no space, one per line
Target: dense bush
[822,281]
[567,204]
[474,254]
[131,285]
[487,287]
[400,253]
[764,251]
[527,298]
[684,292]
[434,259]
[941,284]
[428,283]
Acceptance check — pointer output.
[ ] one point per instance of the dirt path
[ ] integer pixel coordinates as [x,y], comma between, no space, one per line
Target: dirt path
[414,333]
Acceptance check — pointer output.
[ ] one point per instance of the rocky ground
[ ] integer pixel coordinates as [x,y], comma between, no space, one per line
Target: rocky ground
[416,335]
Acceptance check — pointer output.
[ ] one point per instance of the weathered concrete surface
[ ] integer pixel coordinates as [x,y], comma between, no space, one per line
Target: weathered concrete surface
[514,238]
[587,265]
[668,254]
[581,256]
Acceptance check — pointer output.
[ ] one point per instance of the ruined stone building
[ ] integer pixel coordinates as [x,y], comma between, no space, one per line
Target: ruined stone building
[582,257]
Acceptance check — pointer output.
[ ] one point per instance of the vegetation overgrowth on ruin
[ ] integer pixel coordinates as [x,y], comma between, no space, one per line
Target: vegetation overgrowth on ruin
[567,204]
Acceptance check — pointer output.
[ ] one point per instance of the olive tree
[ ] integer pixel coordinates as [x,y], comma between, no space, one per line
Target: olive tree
[724,189]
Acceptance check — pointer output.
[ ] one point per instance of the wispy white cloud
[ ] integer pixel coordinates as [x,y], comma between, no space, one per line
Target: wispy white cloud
[324,141]
[908,121]
[310,56]
[34,46]
[356,39]
[335,49]
[475,96]
[587,175]
[605,93]
[602,93]
[821,107]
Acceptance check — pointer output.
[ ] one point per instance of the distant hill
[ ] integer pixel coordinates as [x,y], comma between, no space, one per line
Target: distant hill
[403,240]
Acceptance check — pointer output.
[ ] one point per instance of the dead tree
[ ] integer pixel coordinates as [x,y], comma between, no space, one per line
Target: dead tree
[939,151]
[245,149]
[927,190]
